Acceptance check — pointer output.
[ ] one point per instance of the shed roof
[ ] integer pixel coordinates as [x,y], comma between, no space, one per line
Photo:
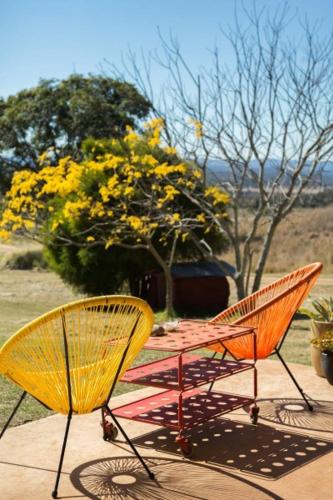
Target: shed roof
[202,269]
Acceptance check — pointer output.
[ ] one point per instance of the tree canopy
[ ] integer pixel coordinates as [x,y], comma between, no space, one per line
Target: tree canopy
[60,114]
[129,197]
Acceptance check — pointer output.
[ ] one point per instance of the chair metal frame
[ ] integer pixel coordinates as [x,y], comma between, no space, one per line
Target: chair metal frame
[104,408]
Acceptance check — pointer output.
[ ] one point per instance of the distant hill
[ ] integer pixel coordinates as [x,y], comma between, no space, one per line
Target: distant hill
[305,236]
[218,170]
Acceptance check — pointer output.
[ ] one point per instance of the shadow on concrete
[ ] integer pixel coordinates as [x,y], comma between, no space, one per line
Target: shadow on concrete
[294,413]
[124,478]
[25,466]
[260,450]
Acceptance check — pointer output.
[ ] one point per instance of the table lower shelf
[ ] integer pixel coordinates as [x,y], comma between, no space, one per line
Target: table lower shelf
[196,371]
[198,406]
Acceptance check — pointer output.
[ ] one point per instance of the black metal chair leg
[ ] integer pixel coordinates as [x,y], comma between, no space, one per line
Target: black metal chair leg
[23,395]
[150,474]
[55,491]
[310,407]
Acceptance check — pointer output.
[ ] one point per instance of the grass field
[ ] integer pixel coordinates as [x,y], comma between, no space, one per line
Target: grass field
[26,294]
[305,236]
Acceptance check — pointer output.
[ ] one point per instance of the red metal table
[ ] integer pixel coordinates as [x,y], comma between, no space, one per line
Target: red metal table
[184,404]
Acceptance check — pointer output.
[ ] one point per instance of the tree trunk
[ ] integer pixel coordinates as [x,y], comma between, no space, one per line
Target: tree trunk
[169,292]
[168,279]
[264,254]
[239,281]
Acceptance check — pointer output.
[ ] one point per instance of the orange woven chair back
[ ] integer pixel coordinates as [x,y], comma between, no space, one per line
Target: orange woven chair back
[270,310]
[100,335]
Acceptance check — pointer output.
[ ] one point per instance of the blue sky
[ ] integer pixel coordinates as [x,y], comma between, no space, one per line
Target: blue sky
[53,38]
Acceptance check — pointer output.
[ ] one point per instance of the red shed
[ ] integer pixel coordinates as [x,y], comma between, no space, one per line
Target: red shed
[198,288]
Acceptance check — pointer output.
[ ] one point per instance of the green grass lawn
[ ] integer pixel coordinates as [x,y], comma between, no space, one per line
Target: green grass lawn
[26,294]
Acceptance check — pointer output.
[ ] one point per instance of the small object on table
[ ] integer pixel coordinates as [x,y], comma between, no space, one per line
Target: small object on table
[158,331]
[171,326]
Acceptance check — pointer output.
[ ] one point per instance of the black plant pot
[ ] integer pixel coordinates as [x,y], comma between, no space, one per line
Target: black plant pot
[327,365]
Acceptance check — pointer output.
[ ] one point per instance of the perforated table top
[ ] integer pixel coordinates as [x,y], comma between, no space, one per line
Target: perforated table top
[192,334]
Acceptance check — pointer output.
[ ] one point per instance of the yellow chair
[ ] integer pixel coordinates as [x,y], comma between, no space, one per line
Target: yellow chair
[71,358]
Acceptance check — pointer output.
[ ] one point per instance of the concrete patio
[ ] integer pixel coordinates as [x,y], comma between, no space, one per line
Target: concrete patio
[288,455]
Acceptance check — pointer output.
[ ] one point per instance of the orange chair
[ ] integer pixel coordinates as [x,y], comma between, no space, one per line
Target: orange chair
[271,311]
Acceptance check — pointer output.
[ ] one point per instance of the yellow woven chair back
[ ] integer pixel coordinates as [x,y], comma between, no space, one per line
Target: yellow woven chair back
[270,310]
[97,333]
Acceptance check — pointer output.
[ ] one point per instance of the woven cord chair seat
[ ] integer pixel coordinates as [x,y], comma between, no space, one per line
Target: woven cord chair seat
[97,333]
[270,311]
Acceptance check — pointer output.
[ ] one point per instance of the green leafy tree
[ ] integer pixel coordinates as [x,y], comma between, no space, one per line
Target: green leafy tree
[128,198]
[95,270]
[58,115]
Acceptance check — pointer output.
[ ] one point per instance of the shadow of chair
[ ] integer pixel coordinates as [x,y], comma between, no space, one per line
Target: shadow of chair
[124,479]
[71,358]
[293,412]
[270,311]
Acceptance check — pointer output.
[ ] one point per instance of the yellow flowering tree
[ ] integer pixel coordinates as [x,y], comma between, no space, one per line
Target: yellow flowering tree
[127,193]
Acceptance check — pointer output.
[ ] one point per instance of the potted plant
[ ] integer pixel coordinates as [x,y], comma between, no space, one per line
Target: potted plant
[322,322]
[325,345]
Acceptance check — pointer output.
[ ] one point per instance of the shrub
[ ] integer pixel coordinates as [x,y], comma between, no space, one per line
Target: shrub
[32,259]
[96,271]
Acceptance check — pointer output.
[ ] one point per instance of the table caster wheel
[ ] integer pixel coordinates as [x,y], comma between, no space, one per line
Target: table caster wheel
[185,446]
[110,432]
[254,412]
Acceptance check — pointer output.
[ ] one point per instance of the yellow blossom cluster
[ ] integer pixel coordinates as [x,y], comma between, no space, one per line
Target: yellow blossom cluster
[198,127]
[217,195]
[154,128]
[134,188]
